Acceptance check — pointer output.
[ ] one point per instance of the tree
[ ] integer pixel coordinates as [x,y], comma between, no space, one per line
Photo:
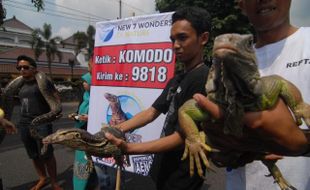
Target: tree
[81,41]
[226,17]
[71,64]
[85,40]
[39,4]
[91,31]
[42,41]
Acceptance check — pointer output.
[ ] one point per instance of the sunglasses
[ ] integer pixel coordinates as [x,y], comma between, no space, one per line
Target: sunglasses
[25,67]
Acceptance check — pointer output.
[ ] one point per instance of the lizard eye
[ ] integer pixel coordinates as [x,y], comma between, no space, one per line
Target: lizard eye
[249,43]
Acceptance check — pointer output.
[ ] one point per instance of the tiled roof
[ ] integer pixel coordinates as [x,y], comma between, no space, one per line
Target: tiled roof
[15,23]
[10,68]
[59,69]
[8,62]
[70,40]
[12,53]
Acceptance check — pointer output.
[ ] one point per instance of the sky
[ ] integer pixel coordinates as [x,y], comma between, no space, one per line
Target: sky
[69,16]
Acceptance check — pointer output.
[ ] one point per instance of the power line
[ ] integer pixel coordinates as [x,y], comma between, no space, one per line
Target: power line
[52,11]
[52,14]
[73,15]
[128,5]
[76,10]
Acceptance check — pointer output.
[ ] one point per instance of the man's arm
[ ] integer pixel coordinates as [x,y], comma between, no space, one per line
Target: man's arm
[275,125]
[8,126]
[139,120]
[156,146]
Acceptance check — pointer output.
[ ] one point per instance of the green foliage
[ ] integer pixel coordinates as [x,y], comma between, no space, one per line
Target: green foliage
[42,41]
[91,31]
[39,4]
[85,40]
[2,13]
[226,17]
[81,40]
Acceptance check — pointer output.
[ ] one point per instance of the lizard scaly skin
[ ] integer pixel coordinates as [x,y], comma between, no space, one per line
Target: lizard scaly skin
[234,83]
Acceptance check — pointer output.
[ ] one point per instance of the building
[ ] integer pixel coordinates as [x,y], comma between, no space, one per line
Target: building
[15,38]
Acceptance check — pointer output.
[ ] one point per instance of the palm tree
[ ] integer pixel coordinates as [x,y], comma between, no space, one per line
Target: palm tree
[81,41]
[91,31]
[85,40]
[42,41]
[71,64]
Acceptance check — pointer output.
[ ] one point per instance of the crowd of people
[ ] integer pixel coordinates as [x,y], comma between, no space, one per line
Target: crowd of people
[190,32]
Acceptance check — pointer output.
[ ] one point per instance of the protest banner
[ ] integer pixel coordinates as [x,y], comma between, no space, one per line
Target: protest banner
[133,61]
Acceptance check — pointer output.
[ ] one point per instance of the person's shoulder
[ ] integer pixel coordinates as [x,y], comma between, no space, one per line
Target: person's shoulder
[201,71]
[304,30]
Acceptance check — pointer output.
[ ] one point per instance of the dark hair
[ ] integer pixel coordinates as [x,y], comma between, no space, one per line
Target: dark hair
[26,58]
[198,17]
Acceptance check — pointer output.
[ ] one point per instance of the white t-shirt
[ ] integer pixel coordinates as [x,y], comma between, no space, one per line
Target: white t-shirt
[289,58]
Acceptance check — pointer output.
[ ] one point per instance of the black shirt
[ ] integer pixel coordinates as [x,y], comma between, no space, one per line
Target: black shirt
[32,101]
[172,172]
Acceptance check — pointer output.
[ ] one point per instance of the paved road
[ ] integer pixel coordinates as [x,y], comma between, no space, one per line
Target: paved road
[17,172]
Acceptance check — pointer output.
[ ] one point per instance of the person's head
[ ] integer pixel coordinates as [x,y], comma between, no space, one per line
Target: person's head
[26,66]
[86,78]
[266,15]
[90,64]
[190,33]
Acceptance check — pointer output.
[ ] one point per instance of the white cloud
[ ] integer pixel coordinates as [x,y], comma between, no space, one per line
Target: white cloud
[64,32]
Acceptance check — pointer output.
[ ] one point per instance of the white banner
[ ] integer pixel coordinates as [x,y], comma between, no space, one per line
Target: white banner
[133,61]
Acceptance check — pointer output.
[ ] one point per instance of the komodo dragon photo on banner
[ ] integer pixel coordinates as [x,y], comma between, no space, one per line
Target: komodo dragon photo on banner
[118,116]
[234,83]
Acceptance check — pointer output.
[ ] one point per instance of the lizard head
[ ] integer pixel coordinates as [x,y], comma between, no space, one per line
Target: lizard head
[227,46]
[236,54]
[69,137]
[111,97]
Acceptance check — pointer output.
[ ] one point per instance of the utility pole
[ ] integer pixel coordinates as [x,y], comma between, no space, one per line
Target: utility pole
[120,9]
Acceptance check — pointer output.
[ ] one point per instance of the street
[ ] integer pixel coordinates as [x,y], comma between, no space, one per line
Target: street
[17,171]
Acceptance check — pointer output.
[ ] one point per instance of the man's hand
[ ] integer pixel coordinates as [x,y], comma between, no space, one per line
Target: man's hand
[120,143]
[8,126]
[275,127]
[83,117]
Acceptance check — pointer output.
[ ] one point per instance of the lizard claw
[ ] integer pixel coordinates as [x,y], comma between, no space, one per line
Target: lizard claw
[277,175]
[89,166]
[196,150]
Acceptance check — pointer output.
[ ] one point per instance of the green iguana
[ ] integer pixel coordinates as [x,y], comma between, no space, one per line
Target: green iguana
[235,84]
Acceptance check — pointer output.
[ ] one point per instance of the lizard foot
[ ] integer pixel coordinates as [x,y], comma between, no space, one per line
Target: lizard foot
[277,175]
[89,166]
[303,111]
[196,150]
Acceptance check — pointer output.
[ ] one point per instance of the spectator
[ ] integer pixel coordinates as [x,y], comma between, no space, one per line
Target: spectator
[83,179]
[35,108]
